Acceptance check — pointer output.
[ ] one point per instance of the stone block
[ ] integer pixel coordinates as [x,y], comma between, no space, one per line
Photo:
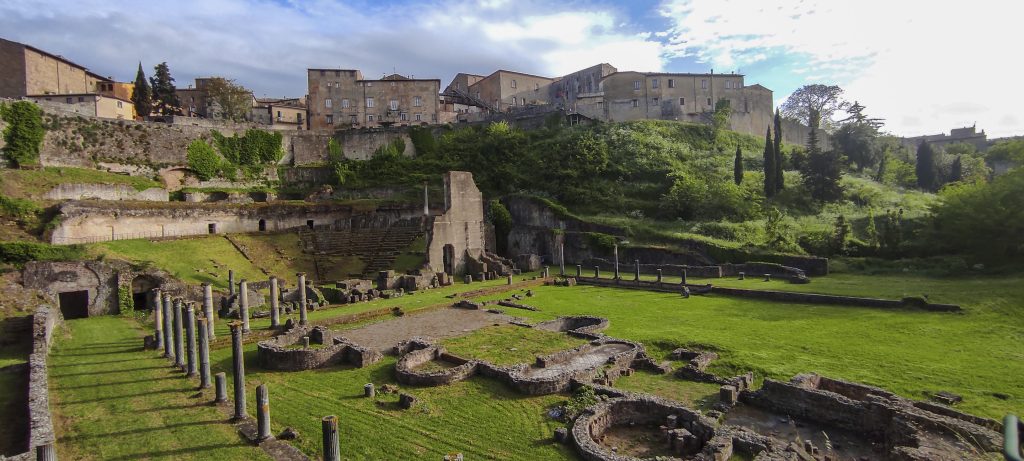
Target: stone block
[406,401]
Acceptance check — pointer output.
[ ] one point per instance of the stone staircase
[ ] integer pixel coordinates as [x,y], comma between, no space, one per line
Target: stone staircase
[377,248]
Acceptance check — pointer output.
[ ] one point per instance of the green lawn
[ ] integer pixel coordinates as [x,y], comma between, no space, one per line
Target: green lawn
[280,253]
[113,401]
[697,395]
[33,184]
[194,260]
[509,344]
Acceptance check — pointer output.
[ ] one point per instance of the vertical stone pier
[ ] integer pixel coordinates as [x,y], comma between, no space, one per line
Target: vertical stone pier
[190,338]
[684,277]
[204,352]
[158,317]
[243,304]
[303,319]
[616,254]
[208,306]
[221,385]
[275,306]
[231,282]
[238,360]
[332,450]
[636,270]
[561,259]
[262,414]
[168,326]
[179,340]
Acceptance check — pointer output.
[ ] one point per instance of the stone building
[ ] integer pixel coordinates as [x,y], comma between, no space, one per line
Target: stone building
[91,104]
[341,98]
[504,90]
[284,113]
[967,135]
[26,70]
[196,101]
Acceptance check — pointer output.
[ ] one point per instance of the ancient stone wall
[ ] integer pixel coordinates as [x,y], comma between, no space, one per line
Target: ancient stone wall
[460,227]
[100,279]
[815,298]
[277,353]
[40,428]
[105,192]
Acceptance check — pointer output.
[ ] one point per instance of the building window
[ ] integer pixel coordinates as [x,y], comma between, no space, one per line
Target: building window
[68,100]
[328,103]
[682,101]
[81,99]
[478,95]
[369,118]
[353,119]
[394,104]
[404,117]
[279,115]
[654,101]
[671,83]
[709,101]
[636,84]
[337,84]
[513,83]
[369,84]
[417,101]
[119,105]
[419,117]
[392,83]
[330,120]
[433,117]
[513,100]
[369,102]
[703,84]
[654,83]
[536,87]
[636,103]
[344,103]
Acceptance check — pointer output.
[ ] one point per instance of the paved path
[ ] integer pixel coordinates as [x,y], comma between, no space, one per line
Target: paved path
[435,324]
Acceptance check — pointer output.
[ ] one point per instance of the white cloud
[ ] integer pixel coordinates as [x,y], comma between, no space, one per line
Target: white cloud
[926,66]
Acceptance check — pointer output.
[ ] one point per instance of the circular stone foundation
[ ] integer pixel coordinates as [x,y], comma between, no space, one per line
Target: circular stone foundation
[648,426]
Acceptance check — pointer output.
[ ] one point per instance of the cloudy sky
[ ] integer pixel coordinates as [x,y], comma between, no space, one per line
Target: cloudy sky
[923,65]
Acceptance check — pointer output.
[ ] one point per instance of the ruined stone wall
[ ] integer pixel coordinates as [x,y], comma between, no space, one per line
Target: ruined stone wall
[461,225]
[795,133]
[97,278]
[83,222]
[105,192]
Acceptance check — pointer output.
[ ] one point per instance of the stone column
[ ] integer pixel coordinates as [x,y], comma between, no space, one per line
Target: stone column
[204,352]
[368,390]
[684,277]
[659,276]
[303,320]
[332,452]
[636,270]
[561,259]
[275,307]
[545,273]
[221,385]
[158,317]
[426,200]
[231,282]
[579,271]
[616,251]
[168,326]
[262,413]
[179,340]
[208,306]
[509,281]
[190,338]
[46,452]
[243,304]
[597,272]
[238,359]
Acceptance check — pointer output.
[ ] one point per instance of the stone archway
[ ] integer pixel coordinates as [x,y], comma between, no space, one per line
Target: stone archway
[142,291]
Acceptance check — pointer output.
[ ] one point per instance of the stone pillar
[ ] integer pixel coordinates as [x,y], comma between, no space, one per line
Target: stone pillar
[509,280]
[684,277]
[597,272]
[221,385]
[767,277]
[636,270]
[46,452]
[275,307]
[168,327]
[426,200]
[190,338]
[238,359]
[158,317]
[659,276]
[368,390]
[243,304]
[616,251]
[179,340]
[742,275]
[332,452]
[305,342]
[561,259]
[545,273]
[303,320]
[203,326]
[579,271]
[467,279]
[231,282]
[262,414]
[208,306]
[727,394]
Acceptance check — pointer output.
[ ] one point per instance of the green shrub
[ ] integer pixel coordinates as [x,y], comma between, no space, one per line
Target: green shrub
[18,253]
[16,208]
[581,399]
[125,300]
[500,217]
[24,133]
[203,160]
[601,241]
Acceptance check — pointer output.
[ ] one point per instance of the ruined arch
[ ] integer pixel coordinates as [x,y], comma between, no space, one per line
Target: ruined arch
[142,291]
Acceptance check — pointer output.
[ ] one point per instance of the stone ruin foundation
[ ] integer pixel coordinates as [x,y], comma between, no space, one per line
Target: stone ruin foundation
[326,348]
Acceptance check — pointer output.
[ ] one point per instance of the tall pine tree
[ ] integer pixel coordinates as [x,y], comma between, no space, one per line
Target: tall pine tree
[737,167]
[822,170]
[142,96]
[165,100]
[769,165]
[925,167]
[780,181]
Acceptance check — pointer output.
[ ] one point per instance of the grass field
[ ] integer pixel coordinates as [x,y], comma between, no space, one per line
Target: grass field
[509,344]
[194,261]
[32,184]
[113,401]
[280,254]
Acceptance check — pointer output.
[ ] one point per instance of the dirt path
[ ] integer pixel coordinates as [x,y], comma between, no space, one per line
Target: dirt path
[434,324]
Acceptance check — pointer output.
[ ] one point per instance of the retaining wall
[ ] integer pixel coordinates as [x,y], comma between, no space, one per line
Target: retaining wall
[40,427]
[274,354]
[105,192]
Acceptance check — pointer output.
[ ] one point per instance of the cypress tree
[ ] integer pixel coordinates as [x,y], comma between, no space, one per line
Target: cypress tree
[769,165]
[142,96]
[164,98]
[925,167]
[957,171]
[737,167]
[780,181]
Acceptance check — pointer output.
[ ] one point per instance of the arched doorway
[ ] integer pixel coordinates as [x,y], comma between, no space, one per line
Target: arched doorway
[263,225]
[448,257]
[142,291]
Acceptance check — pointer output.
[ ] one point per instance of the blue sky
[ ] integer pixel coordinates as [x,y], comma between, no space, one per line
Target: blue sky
[924,66]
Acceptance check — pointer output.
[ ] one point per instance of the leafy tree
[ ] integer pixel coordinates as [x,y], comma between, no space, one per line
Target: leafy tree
[780,180]
[203,160]
[501,218]
[840,235]
[233,101]
[856,111]
[925,170]
[824,100]
[737,167]
[821,170]
[856,141]
[882,164]
[769,166]
[872,230]
[720,118]
[142,96]
[1006,151]
[774,232]
[981,219]
[165,99]
[957,171]
[892,234]
[334,152]
[24,133]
